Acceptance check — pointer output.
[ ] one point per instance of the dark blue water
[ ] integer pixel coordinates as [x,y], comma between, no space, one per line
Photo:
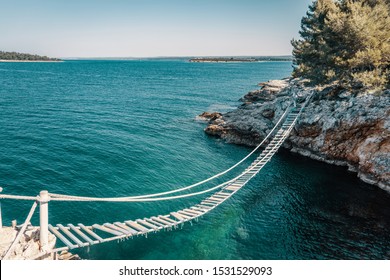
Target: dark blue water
[120,128]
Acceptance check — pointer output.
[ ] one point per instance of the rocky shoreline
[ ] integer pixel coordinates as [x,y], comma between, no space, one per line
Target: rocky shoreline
[338,127]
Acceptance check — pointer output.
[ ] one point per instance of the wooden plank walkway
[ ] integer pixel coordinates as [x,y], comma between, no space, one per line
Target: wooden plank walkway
[80,236]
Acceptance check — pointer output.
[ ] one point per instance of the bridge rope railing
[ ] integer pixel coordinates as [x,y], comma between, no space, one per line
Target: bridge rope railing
[129,199]
[73,198]
[53,195]
[122,230]
[142,198]
[148,198]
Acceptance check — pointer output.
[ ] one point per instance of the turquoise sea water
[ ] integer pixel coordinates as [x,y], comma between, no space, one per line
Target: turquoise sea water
[120,128]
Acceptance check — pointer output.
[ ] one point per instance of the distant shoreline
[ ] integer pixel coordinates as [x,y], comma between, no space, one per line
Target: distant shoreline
[15,60]
[238,59]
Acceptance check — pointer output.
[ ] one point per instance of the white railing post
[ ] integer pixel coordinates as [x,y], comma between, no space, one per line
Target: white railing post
[44,219]
[1,220]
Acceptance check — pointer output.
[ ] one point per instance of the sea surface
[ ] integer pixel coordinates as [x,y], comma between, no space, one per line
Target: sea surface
[121,128]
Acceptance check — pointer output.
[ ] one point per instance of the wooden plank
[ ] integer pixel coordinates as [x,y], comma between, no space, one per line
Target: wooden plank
[105,229]
[161,221]
[90,232]
[116,228]
[191,215]
[138,227]
[220,196]
[167,219]
[193,211]
[81,234]
[145,223]
[71,235]
[155,222]
[211,201]
[206,208]
[128,229]
[62,238]
[231,188]
[178,216]
[208,204]
[197,208]
[215,198]
[224,194]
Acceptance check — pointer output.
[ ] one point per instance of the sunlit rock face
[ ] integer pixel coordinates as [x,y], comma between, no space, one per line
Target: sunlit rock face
[338,126]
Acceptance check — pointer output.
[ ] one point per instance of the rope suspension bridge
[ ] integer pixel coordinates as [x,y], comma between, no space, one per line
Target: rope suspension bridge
[79,235]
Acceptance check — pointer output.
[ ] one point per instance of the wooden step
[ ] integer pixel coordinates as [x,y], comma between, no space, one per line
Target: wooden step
[178,216]
[125,227]
[105,229]
[71,236]
[145,223]
[224,194]
[82,235]
[191,211]
[208,204]
[155,222]
[188,214]
[116,228]
[215,199]
[168,219]
[90,232]
[232,188]
[203,210]
[161,221]
[212,202]
[207,208]
[62,238]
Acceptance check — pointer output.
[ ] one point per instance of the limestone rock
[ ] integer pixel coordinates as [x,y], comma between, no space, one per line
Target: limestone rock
[206,116]
[338,126]
[67,256]
[28,246]
[268,91]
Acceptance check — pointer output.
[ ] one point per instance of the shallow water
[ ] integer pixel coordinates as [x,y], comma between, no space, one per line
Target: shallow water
[120,128]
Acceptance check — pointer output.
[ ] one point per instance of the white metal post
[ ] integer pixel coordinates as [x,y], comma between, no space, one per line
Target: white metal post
[44,219]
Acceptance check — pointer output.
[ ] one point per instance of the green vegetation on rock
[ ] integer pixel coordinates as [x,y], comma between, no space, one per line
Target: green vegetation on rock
[347,42]
[24,57]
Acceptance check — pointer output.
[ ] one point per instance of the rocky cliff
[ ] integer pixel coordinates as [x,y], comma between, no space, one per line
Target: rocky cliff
[338,127]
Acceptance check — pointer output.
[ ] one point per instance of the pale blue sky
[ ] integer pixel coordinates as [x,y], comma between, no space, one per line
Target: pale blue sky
[144,28]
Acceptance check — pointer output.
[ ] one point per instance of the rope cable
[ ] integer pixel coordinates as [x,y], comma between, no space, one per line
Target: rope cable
[53,195]
[144,198]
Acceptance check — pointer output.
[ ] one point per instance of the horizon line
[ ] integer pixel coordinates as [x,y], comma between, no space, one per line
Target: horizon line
[171,56]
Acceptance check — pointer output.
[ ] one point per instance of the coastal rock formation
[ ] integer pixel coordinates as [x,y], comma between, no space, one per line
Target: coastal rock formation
[338,127]
[28,246]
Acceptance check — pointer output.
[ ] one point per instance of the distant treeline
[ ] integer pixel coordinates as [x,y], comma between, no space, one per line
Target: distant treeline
[241,59]
[24,56]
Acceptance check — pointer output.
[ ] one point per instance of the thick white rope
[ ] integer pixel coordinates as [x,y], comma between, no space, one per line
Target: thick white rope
[125,199]
[17,197]
[16,240]
[53,195]
[60,197]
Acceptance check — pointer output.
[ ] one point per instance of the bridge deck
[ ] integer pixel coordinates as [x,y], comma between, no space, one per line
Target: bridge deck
[80,236]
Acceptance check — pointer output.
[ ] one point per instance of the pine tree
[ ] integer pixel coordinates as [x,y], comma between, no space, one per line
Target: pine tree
[346,41]
[364,32]
[312,51]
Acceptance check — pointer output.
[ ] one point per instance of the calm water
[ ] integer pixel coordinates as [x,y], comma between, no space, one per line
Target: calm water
[119,128]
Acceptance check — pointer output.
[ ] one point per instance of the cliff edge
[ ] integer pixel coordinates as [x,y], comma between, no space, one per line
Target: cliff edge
[338,126]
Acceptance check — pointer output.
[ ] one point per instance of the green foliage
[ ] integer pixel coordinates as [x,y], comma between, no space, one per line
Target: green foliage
[345,41]
[24,56]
